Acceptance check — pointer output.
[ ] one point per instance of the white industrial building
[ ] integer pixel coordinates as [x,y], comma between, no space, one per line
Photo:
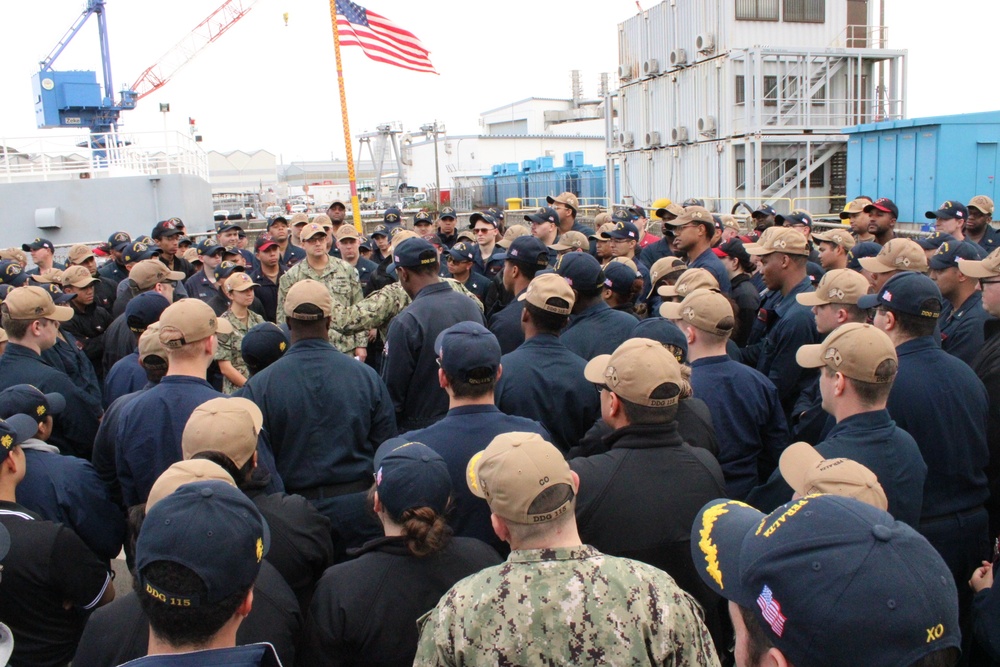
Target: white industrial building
[242,171]
[745,100]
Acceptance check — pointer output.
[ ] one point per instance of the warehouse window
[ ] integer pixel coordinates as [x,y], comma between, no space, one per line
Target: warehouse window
[770,91]
[741,173]
[756,10]
[741,97]
[805,11]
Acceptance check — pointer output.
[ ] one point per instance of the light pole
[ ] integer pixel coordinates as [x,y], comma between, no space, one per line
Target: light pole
[435,129]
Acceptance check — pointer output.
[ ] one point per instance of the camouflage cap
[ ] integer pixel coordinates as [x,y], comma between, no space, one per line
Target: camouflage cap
[550,292]
[149,343]
[189,321]
[226,424]
[703,309]
[689,281]
[982,203]
[78,276]
[185,472]
[840,237]
[783,239]
[807,472]
[897,255]
[636,370]
[147,273]
[80,253]
[308,292]
[836,286]
[983,268]
[514,471]
[854,349]
[33,303]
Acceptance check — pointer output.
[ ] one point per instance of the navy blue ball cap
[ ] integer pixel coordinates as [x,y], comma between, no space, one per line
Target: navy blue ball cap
[934,241]
[413,253]
[229,226]
[544,214]
[58,296]
[949,210]
[528,250]
[423,218]
[264,344]
[166,229]
[793,219]
[461,252]
[271,222]
[908,292]
[144,309]
[12,274]
[664,332]
[119,241]
[861,250]
[949,252]
[468,351]
[211,528]
[13,431]
[226,269]
[487,217]
[37,244]
[410,475]
[581,270]
[380,230]
[26,399]
[618,277]
[763,211]
[830,576]
[392,216]
[448,212]
[624,229]
[208,247]
[496,212]
[138,251]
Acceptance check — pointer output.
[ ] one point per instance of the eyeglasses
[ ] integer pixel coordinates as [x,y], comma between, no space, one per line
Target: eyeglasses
[989,282]
[600,386]
[483,230]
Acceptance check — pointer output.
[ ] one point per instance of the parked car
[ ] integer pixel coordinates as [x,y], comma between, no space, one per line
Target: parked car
[300,208]
[273,211]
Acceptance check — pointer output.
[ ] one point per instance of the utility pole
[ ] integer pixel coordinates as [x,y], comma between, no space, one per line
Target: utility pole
[436,130]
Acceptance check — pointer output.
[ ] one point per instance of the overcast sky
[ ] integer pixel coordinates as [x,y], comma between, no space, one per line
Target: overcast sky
[265,85]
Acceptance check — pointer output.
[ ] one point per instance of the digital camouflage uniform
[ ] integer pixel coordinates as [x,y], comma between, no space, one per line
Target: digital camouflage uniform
[229,345]
[566,606]
[342,280]
[377,309]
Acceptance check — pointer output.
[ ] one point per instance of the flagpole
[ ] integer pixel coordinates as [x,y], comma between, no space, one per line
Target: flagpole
[355,205]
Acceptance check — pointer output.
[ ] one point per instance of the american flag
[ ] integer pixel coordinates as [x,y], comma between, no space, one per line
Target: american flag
[771,610]
[380,38]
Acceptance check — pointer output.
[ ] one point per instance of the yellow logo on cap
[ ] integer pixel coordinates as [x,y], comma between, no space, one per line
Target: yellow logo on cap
[7,442]
[470,471]
[935,633]
[40,410]
[707,546]
[260,549]
[791,511]
[281,346]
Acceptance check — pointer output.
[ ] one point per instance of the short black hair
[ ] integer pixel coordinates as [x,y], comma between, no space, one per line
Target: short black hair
[643,414]
[916,326]
[465,389]
[183,626]
[528,269]
[545,321]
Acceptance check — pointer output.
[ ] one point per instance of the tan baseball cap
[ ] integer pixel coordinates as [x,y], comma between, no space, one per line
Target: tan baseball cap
[840,237]
[323,220]
[513,471]
[298,219]
[48,276]
[80,253]
[807,472]
[983,203]
[692,214]
[189,321]
[310,230]
[149,343]
[15,254]
[689,281]
[626,261]
[567,198]
[984,268]
[34,303]
[662,268]
[671,207]
[513,232]
[347,231]
[854,206]
[897,255]
[783,239]
[635,370]
[185,472]
[191,255]
[604,228]
[309,292]
[78,276]
[147,273]
[730,221]
[546,287]
[239,282]
[600,220]
[572,240]
[399,235]
[703,309]
[854,349]
[836,286]
[224,424]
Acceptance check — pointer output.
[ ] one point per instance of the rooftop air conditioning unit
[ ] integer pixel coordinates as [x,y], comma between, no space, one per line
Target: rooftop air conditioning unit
[678,57]
[626,139]
[706,126]
[625,72]
[705,42]
[679,135]
[651,67]
[653,139]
